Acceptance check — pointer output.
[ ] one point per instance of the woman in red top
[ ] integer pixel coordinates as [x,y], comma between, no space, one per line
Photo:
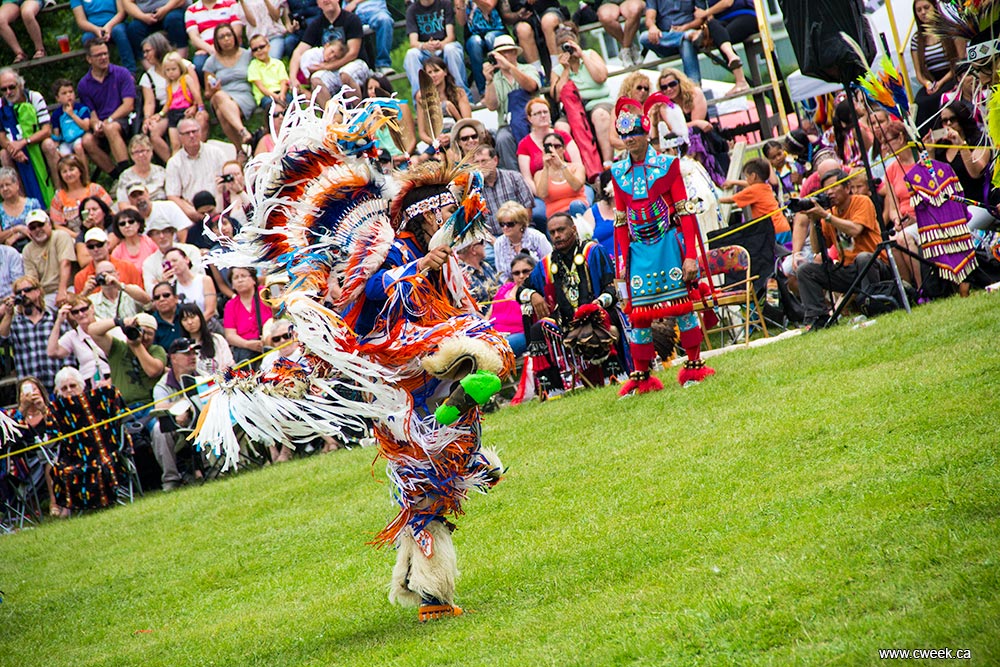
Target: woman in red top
[530,151]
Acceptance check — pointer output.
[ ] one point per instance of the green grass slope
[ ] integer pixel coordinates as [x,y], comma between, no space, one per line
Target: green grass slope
[818,499]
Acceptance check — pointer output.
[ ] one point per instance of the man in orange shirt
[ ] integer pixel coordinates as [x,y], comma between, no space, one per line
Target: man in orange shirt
[850,226]
[97,244]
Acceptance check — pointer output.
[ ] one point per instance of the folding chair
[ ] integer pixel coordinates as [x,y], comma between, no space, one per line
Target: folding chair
[732,262]
[19,503]
[126,459]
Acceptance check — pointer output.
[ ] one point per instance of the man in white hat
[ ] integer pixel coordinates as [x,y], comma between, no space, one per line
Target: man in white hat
[96,240]
[48,257]
[509,86]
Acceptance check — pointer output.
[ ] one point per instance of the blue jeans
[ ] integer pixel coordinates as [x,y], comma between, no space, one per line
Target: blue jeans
[376,16]
[172,23]
[277,46]
[670,44]
[119,35]
[477,46]
[453,56]
[518,343]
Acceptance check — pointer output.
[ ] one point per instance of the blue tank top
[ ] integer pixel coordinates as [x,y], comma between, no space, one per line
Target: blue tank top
[604,230]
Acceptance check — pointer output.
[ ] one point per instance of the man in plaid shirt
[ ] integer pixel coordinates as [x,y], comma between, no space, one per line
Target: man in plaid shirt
[27,325]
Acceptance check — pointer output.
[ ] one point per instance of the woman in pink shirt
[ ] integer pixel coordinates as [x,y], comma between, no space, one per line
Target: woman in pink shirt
[244,316]
[506,311]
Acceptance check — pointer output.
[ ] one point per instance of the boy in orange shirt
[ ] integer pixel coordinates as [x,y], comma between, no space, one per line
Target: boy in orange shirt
[758,195]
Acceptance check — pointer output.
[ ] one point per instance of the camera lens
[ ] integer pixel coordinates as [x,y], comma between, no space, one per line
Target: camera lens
[131,332]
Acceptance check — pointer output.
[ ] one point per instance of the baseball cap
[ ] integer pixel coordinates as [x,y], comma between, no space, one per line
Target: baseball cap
[138,186]
[96,234]
[146,321]
[38,215]
[181,345]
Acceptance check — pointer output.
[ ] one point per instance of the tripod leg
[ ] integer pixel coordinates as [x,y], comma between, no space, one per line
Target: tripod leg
[899,281]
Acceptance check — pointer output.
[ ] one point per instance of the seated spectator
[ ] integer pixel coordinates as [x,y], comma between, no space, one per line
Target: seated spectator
[87,471]
[636,86]
[535,26]
[320,66]
[168,321]
[281,343]
[300,14]
[70,121]
[559,183]
[136,363]
[11,268]
[104,20]
[599,219]
[509,87]
[530,151]
[97,242]
[378,85]
[25,322]
[65,208]
[25,136]
[934,59]
[802,147]
[849,226]
[704,142]
[191,287]
[517,239]
[430,25]
[94,214]
[841,136]
[670,29]
[483,24]
[479,275]
[589,74]
[32,415]
[135,246]
[729,21]
[269,19]
[15,208]
[454,103]
[115,298]
[224,228]
[267,75]
[49,257]
[633,11]
[182,356]
[971,165]
[109,91]
[154,94]
[192,169]
[214,354]
[227,86]
[183,96]
[76,344]
[202,19]
[152,176]
[149,17]
[788,171]
[757,194]
[164,234]
[236,201]
[499,185]
[375,15]
[27,11]
[245,315]
[333,23]
[802,250]
[505,311]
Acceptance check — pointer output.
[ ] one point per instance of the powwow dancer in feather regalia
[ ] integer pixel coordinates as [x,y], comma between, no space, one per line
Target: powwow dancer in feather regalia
[403,346]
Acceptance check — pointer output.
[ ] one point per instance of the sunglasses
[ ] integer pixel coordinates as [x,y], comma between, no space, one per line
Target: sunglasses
[646,88]
[664,87]
[507,224]
[80,311]
[8,89]
[125,223]
[160,297]
[259,47]
[947,120]
[26,290]
[283,337]
[35,225]
[554,147]
[525,272]
[469,137]
[95,245]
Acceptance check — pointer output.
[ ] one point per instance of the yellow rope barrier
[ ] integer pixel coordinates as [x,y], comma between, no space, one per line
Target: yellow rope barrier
[142,408]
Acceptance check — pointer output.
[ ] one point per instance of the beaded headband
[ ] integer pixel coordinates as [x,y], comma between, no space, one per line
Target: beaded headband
[628,123]
[430,204]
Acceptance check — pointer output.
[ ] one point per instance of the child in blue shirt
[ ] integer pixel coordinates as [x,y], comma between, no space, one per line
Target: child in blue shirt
[70,121]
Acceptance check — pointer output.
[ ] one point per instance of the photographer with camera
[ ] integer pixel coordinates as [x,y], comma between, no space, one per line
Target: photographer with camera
[25,321]
[509,86]
[136,363]
[97,245]
[114,297]
[847,222]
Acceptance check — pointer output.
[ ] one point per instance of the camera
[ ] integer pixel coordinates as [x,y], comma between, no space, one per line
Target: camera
[806,203]
[568,48]
[20,300]
[132,332]
[227,178]
[100,280]
[492,59]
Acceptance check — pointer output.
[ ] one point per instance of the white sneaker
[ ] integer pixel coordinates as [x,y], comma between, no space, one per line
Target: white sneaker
[385,71]
[636,54]
[625,55]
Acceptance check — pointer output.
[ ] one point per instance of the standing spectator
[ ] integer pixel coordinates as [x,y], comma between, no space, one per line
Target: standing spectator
[430,25]
[49,257]
[214,354]
[168,321]
[115,298]
[269,21]
[499,186]
[16,207]
[27,11]
[333,23]
[25,136]
[670,29]
[70,121]
[104,20]
[154,94]
[201,19]
[483,24]
[76,343]
[109,91]
[94,214]
[193,169]
[375,15]
[164,235]
[100,251]
[245,315]
[151,16]
[267,74]
[27,326]
[934,60]
[454,103]
[509,86]
[136,363]
[76,186]
[135,246]
[151,176]
[517,238]
[11,268]
[633,12]
[230,94]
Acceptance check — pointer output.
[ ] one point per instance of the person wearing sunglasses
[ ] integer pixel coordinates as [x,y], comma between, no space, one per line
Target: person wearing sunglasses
[560,183]
[517,238]
[76,343]
[49,256]
[505,311]
[85,280]
[25,321]
[638,87]
[467,135]
[25,135]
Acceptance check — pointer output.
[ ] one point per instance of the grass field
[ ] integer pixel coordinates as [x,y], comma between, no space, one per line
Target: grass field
[818,499]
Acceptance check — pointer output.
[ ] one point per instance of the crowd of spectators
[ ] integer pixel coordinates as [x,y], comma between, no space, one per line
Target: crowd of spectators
[113,283]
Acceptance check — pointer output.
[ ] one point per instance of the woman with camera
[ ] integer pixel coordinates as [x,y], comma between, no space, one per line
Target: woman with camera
[559,183]
[589,75]
[76,342]
[234,192]
[33,415]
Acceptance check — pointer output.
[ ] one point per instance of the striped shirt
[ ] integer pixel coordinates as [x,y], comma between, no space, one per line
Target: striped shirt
[31,345]
[205,20]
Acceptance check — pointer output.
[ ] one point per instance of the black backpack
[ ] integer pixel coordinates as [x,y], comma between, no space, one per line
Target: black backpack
[883,297]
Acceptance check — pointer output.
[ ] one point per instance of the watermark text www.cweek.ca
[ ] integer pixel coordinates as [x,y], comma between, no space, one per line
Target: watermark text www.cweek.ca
[924,654]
